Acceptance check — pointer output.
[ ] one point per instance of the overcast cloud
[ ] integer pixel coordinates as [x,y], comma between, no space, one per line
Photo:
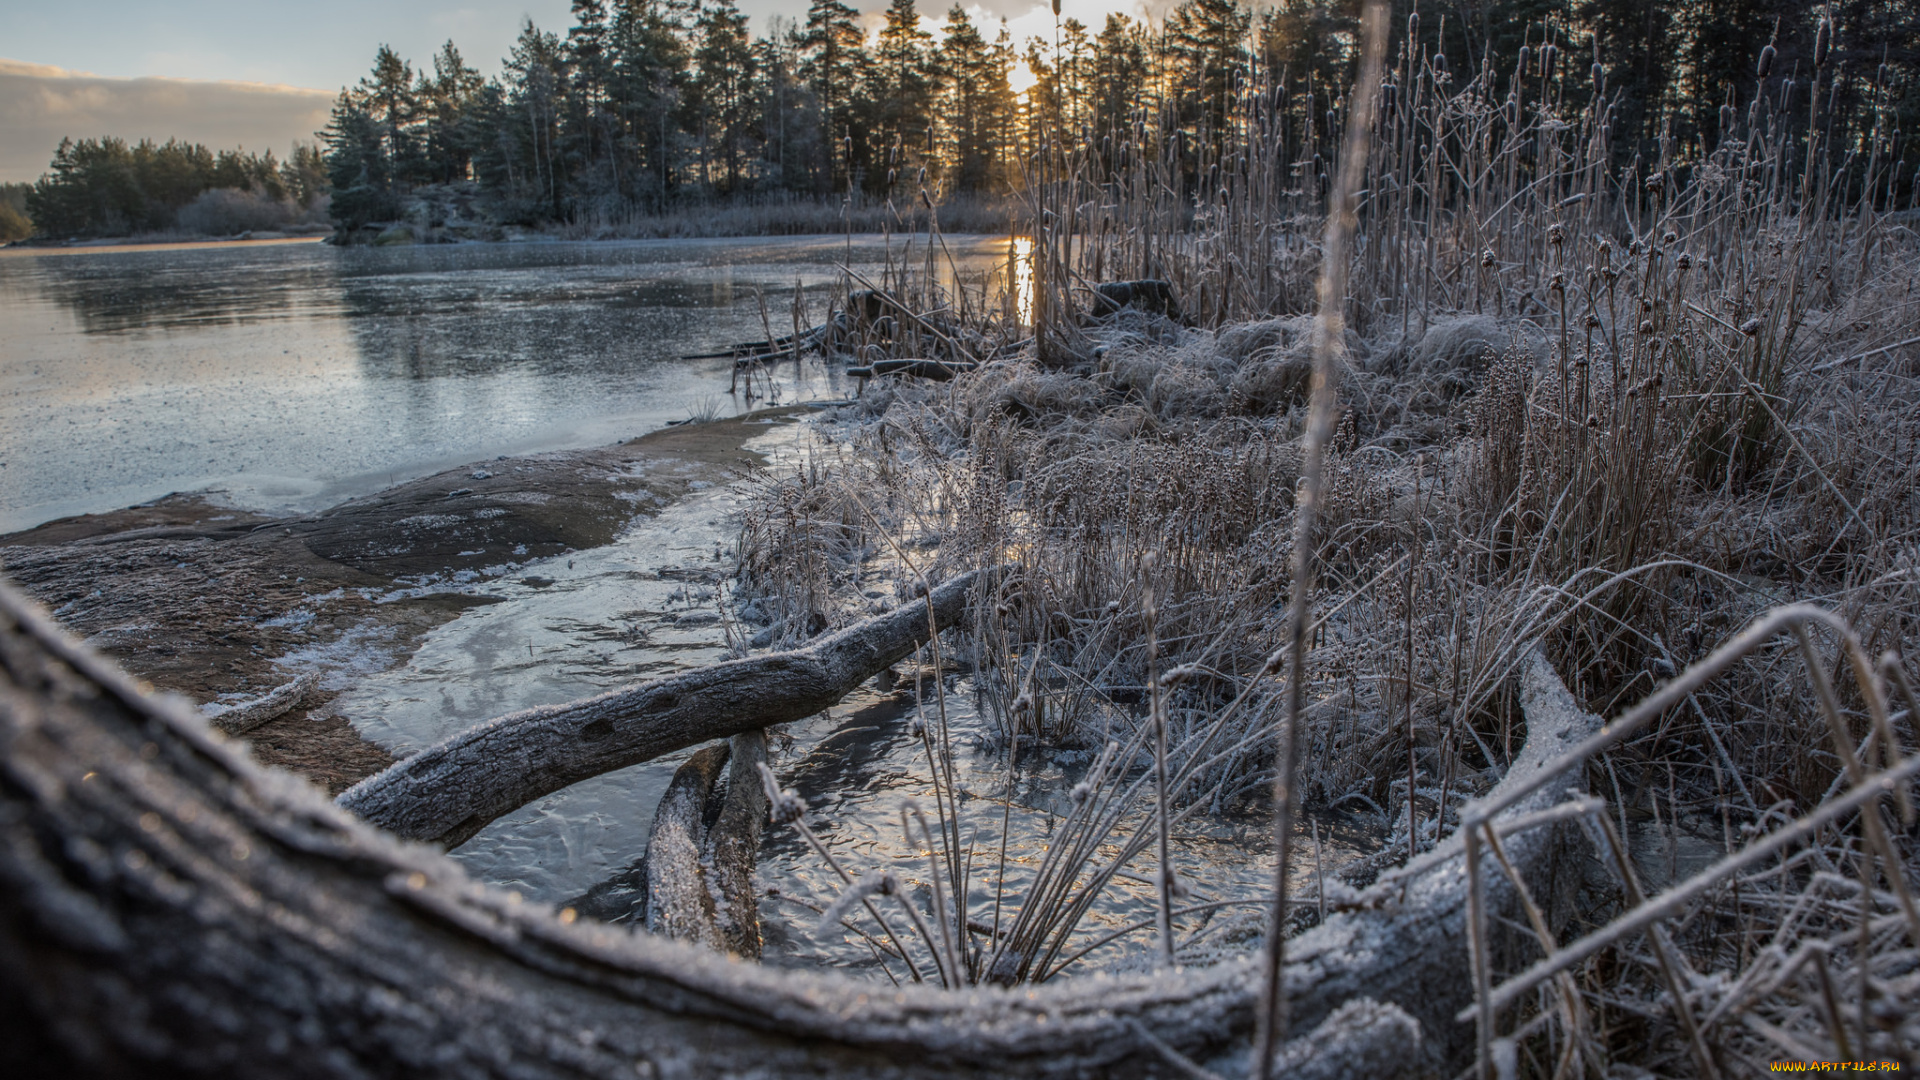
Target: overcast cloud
[39,105]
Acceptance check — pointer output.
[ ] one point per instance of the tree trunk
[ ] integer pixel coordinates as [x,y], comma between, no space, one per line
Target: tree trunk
[168,907]
[452,789]
[679,906]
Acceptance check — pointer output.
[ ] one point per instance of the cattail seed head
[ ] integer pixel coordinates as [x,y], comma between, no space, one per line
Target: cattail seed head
[1766,61]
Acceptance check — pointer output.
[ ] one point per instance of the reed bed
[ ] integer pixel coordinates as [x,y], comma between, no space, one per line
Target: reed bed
[1663,419]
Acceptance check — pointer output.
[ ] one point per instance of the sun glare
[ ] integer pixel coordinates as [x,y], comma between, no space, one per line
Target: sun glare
[1021,78]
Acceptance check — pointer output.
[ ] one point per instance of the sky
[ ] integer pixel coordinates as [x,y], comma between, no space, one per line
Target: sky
[259,74]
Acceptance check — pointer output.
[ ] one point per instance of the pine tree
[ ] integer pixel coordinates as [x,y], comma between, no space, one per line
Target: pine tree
[789,124]
[389,97]
[899,96]
[358,167]
[536,88]
[977,105]
[723,83]
[1119,79]
[831,61]
[447,100]
[649,84]
[1206,41]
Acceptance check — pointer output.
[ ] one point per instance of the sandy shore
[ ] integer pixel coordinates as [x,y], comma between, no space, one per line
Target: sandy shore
[222,605]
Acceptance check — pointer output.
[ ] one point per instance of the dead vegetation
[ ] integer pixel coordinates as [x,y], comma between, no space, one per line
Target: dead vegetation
[1662,422]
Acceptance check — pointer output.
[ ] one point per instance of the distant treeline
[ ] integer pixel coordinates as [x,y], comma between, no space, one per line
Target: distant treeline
[644,105]
[107,187]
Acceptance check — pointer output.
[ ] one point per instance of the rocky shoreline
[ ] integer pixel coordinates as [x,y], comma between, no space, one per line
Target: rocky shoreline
[224,606]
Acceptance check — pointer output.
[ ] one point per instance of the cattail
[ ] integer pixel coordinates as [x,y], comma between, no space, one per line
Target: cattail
[1726,119]
[1526,57]
[1599,78]
[1439,62]
[1766,61]
[1751,327]
[1556,234]
[1822,41]
[1548,56]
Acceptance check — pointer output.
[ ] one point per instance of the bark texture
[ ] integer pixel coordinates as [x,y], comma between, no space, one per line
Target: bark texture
[169,908]
[451,790]
[679,906]
[282,700]
[733,848]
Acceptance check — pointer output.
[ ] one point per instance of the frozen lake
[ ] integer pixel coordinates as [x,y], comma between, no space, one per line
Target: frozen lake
[291,376]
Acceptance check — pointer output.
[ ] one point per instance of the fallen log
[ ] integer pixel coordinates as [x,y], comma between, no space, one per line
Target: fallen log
[452,789]
[167,907]
[704,896]
[1151,296]
[914,367]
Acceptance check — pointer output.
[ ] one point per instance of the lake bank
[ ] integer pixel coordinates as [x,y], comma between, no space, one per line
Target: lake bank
[224,605]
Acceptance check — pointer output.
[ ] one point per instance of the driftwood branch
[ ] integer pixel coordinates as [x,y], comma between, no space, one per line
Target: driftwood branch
[167,907]
[248,715]
[914,367]
[451,790]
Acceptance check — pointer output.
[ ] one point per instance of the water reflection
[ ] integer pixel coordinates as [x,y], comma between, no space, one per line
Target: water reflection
[293,376]
[126,289]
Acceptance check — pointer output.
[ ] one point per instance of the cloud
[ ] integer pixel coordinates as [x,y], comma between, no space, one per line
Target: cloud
[41,104]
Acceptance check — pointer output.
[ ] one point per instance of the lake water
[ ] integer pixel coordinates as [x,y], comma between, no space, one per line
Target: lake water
[291,376]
